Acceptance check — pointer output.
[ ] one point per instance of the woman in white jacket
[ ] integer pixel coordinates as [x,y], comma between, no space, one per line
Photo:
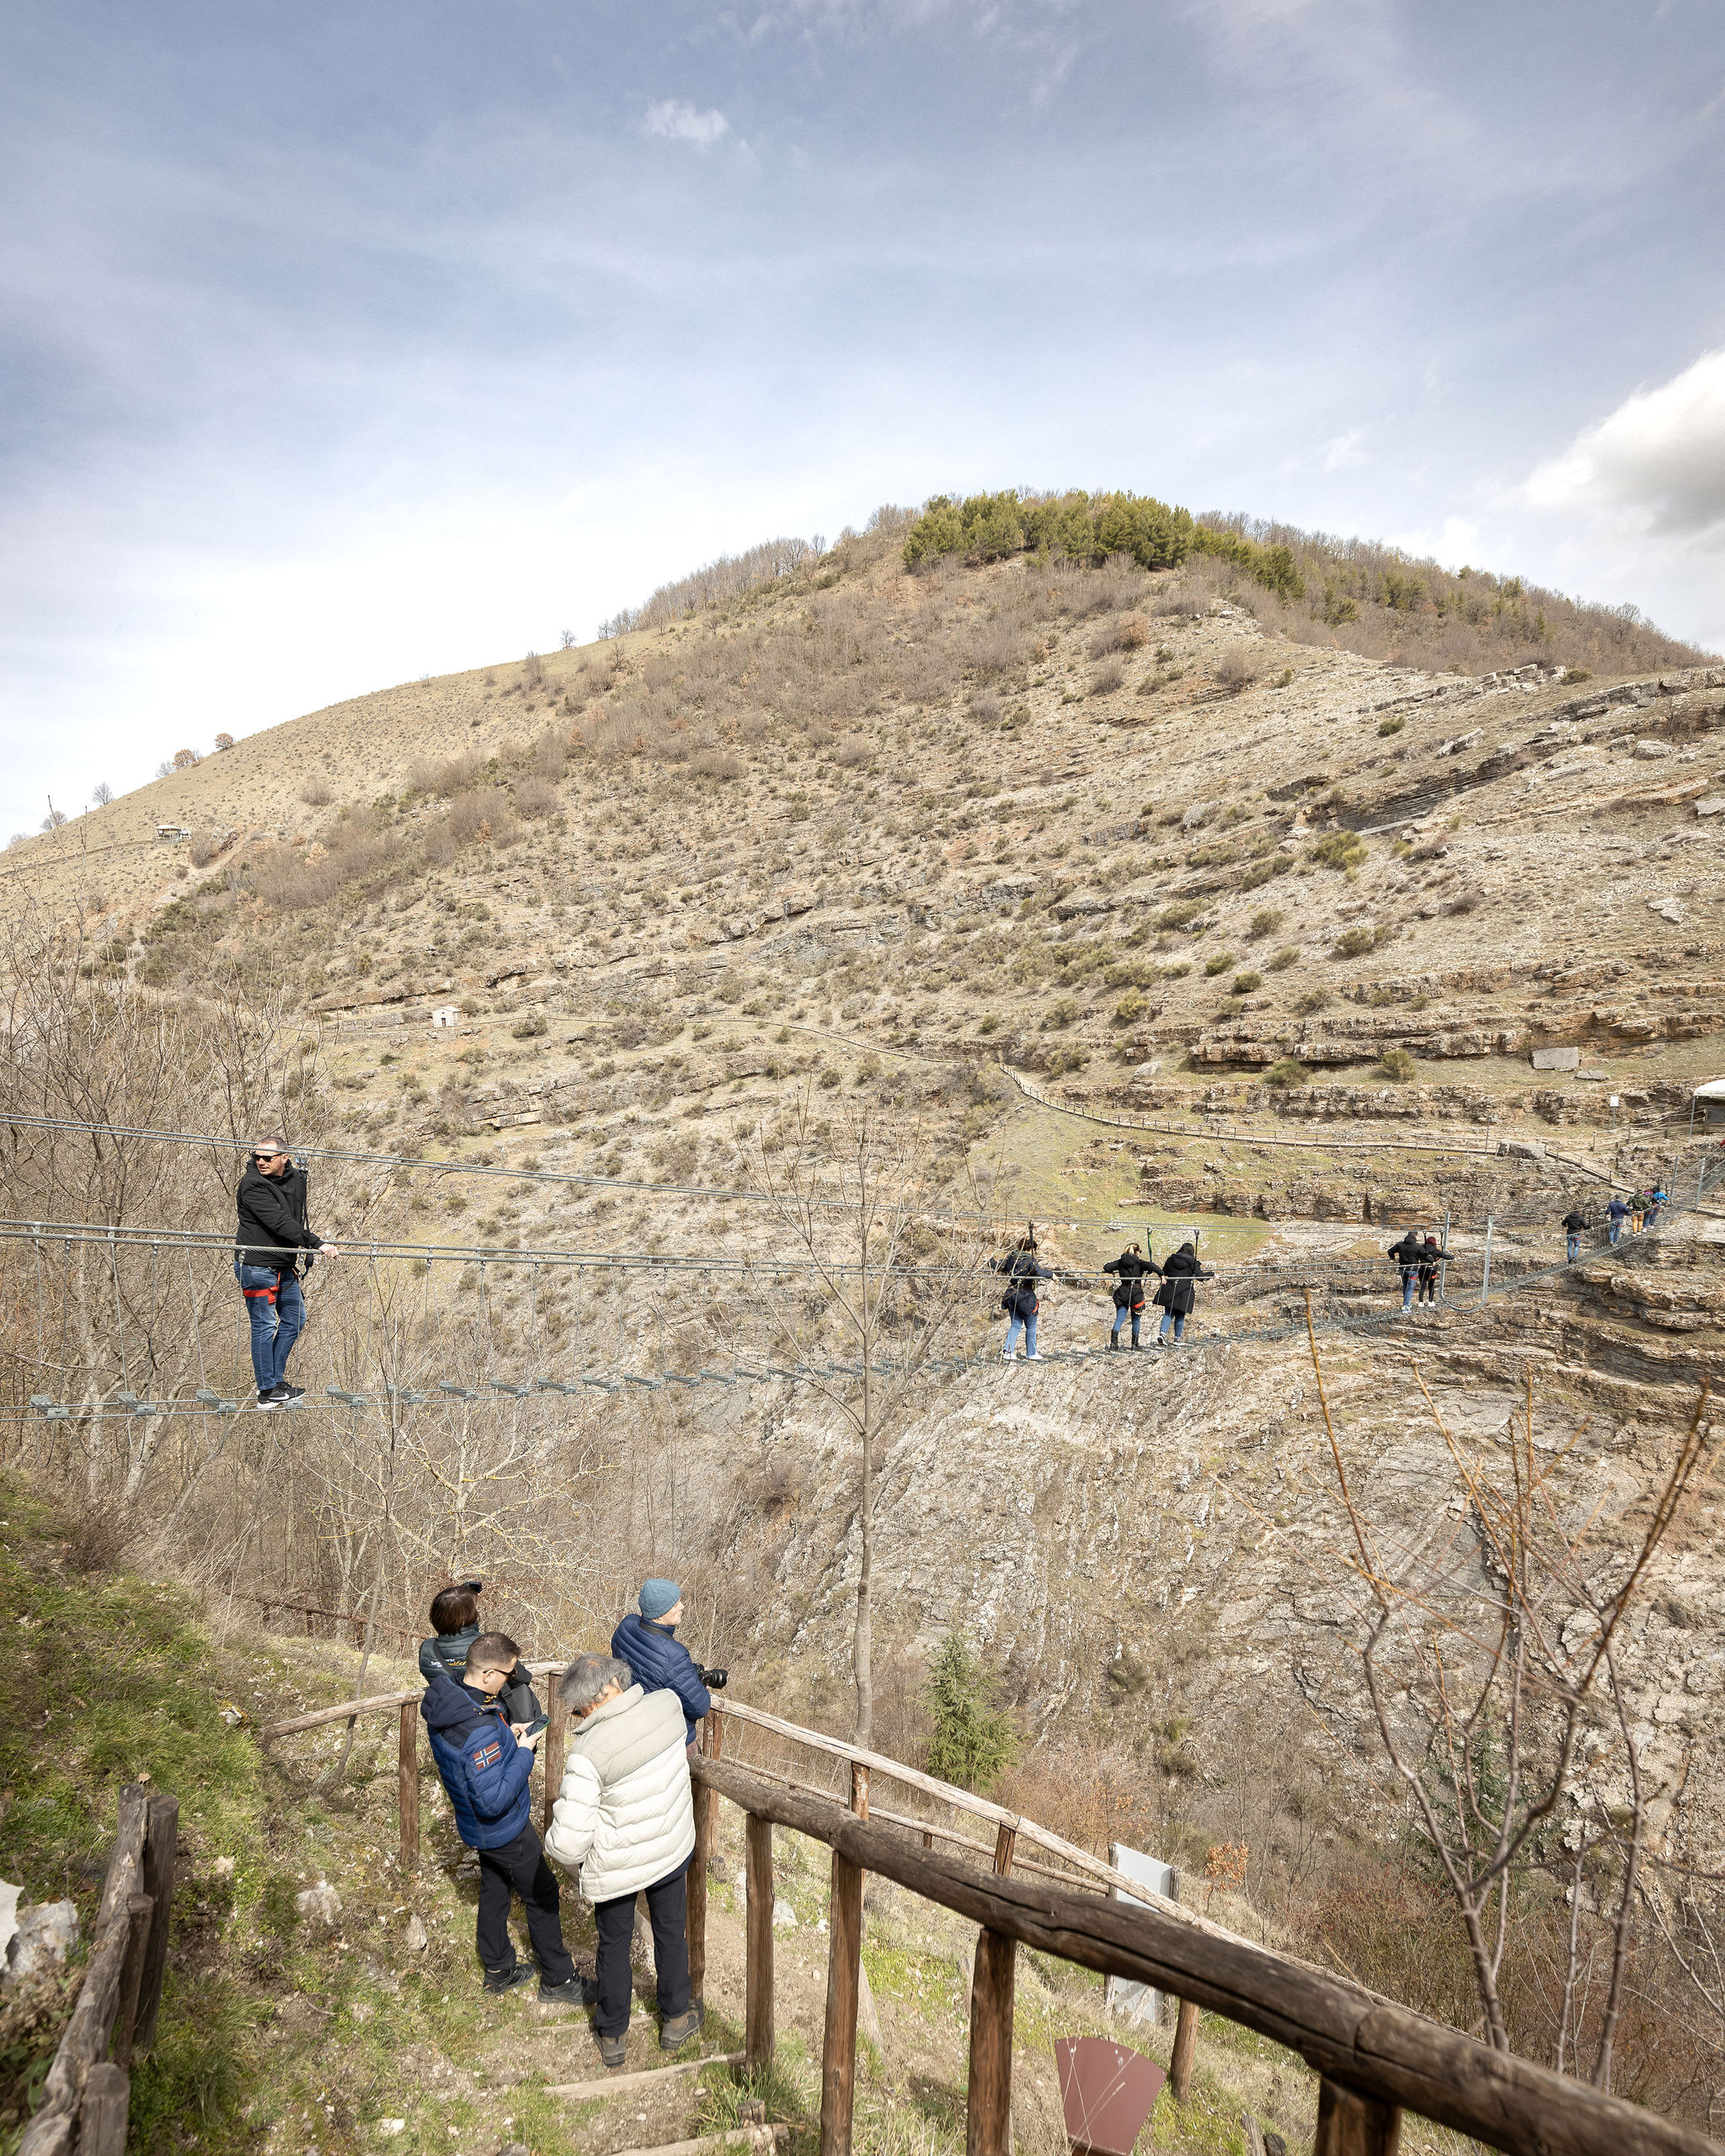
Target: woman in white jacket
[626,1815]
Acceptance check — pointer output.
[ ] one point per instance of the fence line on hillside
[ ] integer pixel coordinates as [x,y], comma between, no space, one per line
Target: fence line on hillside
[1374,2058]
[87,2098]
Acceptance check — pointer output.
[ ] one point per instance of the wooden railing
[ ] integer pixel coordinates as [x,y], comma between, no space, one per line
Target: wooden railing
[1375,2059]
[87,2097]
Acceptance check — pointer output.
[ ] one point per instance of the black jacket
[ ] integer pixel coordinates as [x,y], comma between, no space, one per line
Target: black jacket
[1176,1293]
[272,1219]
[1407,1252]
[448,1652]
[1019,1300]
[1575,1222]
[1431,1256]
[1132,1270]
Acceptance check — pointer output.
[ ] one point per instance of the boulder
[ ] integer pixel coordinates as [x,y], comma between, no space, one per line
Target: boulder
[44,1936]
[1556,1058]
[1710,807]
[416,1935]
[8,1915]
[319,1904]
[1649,749]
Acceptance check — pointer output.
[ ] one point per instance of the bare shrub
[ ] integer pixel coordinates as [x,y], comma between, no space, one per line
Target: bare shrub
[714,763]
[1236,670]
[1127,632]
[549,753]
[1107,678]
[482,808]
[204,848]
[315,790]
[532,671]
[535,797]
[853,751]
[184,759]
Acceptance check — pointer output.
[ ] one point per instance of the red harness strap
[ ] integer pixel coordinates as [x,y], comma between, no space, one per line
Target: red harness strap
[252,1294]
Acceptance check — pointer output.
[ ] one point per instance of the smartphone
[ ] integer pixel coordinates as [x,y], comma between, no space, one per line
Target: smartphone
[535,1728]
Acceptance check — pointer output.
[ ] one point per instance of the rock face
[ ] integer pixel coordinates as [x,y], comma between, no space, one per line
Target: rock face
[1556,1058]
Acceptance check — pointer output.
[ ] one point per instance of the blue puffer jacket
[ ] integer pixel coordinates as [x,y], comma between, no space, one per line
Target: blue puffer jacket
[485,1771]
[660,1662]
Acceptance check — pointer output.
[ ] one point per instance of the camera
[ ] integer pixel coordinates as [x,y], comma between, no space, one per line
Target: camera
[715,1680]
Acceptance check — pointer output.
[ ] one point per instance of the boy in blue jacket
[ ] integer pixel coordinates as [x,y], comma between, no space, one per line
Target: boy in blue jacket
[487,1772]
[658,1660]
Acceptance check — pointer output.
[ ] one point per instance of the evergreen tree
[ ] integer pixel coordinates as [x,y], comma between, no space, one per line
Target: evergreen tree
[974,1740]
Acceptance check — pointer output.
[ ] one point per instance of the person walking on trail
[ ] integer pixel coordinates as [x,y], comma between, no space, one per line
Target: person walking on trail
[1019,1302]
[455,1627]
[1616,1213]
[1657,1196]
[659,1661]
[271,1241]
[1177,1296]
[1130,1266]
[1576,1224]
[1407,1253]
[486,1771]
[626,1814]
[1432,1255]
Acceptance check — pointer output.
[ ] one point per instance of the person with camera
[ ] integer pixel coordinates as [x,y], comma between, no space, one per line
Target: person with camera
[658,1660]
[273,1240]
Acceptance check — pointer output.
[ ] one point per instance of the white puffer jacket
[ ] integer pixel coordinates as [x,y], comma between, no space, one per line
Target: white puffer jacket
[626,1813]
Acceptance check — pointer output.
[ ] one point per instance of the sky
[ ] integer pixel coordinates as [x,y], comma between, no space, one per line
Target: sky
[342,345]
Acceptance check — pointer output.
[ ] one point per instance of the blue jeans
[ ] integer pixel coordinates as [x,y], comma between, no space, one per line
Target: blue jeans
[1121,1318]
[277,1310]
[1616,1230]
[1174,1321]
[1574,1250]
[1410,1281]
[1026,1326]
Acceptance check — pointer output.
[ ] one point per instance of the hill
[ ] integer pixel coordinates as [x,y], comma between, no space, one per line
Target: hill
[1107,894]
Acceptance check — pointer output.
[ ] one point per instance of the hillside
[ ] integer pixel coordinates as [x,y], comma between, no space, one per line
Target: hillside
[1115,894]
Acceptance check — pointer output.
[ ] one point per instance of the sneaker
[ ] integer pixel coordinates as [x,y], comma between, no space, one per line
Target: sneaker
[275,1395]
[1037,1358]
[576,1991]
[292,1394]
[682,2028]
[499,1980]
[613,2051]
[1008,1356]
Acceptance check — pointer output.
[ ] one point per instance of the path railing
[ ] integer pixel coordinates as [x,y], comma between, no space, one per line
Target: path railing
[87,2097]
[1375,2059]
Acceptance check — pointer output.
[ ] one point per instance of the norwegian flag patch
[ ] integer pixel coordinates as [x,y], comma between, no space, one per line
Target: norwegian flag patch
[488,1755]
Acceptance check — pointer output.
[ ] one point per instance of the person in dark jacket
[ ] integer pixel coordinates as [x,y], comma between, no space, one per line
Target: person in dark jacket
[488,1773]
[1130,1269]
[1405,1253]
[1616,1213]
[1575,1227]
[1019,1302]
[657,1658]
[455,1627]
[272,1236]
[1657,1196]
[1432,1255]
[1176,1296]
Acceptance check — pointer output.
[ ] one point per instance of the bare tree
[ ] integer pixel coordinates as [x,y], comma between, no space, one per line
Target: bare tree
[1491,1661]
[849,1256]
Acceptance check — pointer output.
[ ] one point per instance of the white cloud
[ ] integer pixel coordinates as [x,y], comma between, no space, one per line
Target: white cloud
[1345,450]
[678,121]
[1662,452]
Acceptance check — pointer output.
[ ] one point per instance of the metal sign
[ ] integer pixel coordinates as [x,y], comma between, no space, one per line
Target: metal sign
[1139,2002]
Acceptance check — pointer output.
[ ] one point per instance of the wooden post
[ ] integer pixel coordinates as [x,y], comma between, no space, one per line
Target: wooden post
[1185,2044]
[859,1789]
[138,1908]
[758,2039]
[103,2112]
[554,1748]
[406,1786]
[988,2115]
[838,2050]
[715,1735]
[695,1903]
[161,1850]
[1349,2124]
[1003,1845]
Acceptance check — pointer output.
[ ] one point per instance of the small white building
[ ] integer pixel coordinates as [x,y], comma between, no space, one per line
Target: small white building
[448,1014]
[1709,1099]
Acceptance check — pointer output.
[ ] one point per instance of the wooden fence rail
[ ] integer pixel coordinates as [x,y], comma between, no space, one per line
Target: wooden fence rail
[87,2097]
[1374,2058]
